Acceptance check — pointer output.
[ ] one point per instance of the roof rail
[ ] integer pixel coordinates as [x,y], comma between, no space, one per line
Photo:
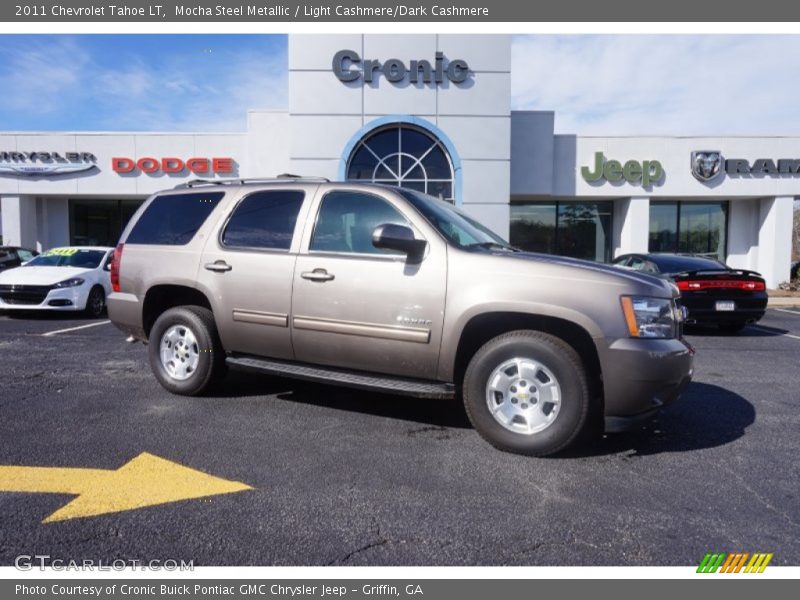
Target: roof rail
[282,177]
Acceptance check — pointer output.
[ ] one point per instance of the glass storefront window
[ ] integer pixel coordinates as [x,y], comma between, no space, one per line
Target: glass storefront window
[533,227]
[405,156]
[663,227]
[689,228]
[99,222]
[575,229]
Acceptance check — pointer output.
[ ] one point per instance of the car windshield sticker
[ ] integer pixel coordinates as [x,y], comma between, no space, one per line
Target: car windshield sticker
[61,252]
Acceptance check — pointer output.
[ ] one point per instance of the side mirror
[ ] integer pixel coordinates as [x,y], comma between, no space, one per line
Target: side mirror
[107,265]
[399,238]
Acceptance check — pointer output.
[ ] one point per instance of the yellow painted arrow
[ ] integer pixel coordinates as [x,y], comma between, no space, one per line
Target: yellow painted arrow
[147,480]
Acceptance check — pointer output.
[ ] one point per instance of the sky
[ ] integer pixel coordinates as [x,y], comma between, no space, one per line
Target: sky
[597,85]
[139,82]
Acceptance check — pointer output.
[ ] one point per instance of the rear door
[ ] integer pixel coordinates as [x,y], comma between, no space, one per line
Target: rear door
[358,307]
[247,267]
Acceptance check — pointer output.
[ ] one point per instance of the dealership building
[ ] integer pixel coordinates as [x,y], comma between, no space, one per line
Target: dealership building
[433,113]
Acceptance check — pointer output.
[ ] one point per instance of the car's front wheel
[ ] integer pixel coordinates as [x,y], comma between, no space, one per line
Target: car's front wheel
[185,352]
[527,392]
[95,303]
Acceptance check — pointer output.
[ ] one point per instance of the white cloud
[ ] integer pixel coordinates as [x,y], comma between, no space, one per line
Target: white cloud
[57,77]
[39,74]
[176,97]
[672,85]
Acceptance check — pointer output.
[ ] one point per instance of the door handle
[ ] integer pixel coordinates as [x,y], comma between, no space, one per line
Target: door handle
[317,275]
[219,266]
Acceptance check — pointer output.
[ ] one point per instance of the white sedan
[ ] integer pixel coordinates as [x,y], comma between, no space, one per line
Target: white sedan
[66,279]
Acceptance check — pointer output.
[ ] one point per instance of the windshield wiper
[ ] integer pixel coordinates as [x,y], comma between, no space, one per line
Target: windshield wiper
[492,246]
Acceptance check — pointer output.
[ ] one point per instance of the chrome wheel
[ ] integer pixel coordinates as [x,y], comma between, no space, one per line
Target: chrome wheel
[523,396]
[180,352]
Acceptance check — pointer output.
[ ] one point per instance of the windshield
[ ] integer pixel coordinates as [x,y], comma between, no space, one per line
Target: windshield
[68,257]
[459,229]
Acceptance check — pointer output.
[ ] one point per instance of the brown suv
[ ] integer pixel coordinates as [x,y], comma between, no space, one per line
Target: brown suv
[388,289]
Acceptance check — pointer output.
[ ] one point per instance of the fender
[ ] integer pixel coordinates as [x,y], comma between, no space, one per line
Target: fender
[454,329]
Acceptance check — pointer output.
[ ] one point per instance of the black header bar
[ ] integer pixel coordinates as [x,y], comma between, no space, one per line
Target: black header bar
[438,11]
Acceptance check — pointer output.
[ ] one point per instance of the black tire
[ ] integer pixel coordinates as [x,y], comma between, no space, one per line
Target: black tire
[95,303]
[732,327]
[567,368]
[211,358]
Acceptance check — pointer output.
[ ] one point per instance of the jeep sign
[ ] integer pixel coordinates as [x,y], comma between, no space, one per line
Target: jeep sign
[645,173]
[348,67]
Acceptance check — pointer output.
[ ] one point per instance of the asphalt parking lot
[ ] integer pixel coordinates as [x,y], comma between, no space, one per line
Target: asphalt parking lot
[340,477]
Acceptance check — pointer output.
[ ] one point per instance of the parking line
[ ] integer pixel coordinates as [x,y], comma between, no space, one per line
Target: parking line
[786,310]
[775,331]
[57,331]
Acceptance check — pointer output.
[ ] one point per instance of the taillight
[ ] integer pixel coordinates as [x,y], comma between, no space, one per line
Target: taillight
[115,261]
[716,284]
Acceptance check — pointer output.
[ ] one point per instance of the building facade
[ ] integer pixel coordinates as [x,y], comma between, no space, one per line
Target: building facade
[433,113]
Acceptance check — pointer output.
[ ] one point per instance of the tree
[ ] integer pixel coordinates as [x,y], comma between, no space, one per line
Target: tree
[796,232]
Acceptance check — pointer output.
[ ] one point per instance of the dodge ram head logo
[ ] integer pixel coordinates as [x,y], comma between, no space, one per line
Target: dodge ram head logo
[706,164]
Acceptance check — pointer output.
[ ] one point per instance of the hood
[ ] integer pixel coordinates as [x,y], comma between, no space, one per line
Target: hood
[40,275]
[588,265]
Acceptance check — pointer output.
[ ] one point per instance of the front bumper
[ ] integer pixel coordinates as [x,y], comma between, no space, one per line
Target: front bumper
[640,376]
[38,297]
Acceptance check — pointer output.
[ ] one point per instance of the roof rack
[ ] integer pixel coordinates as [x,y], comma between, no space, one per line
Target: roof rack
[282,177]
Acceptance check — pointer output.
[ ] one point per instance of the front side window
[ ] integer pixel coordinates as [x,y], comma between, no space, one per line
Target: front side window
[347,220]
[264,220]
[25,255]
[173,219]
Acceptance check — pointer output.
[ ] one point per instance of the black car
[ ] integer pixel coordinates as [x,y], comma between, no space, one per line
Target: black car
[12,256]
[712,292]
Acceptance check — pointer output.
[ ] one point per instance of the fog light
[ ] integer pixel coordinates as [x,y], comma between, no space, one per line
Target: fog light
[60,302]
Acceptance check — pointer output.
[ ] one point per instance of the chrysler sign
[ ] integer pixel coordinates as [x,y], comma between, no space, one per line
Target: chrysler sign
[45,163]
[348,66]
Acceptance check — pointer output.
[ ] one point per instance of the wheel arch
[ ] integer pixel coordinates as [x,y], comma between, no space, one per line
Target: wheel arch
[161,297]
[482,327]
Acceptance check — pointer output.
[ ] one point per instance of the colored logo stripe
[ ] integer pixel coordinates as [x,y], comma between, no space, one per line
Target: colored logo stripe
[758,563]
[735,562]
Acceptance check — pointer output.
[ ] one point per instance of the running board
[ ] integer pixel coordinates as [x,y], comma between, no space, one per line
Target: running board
[388,384]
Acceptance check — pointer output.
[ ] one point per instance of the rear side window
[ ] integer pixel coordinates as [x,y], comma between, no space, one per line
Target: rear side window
[264,220]
[7,257]
[173,219]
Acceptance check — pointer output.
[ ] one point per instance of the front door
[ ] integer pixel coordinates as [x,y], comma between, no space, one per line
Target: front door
[247,269]
[359,307]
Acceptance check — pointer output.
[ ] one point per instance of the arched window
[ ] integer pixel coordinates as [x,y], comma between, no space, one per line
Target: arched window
[405,156]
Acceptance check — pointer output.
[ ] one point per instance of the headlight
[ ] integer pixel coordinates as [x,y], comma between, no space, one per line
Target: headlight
[650,317]
[75,281]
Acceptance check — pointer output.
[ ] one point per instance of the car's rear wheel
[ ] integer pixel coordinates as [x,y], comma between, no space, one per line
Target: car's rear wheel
[95,303]
[185,352]
[526,392]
